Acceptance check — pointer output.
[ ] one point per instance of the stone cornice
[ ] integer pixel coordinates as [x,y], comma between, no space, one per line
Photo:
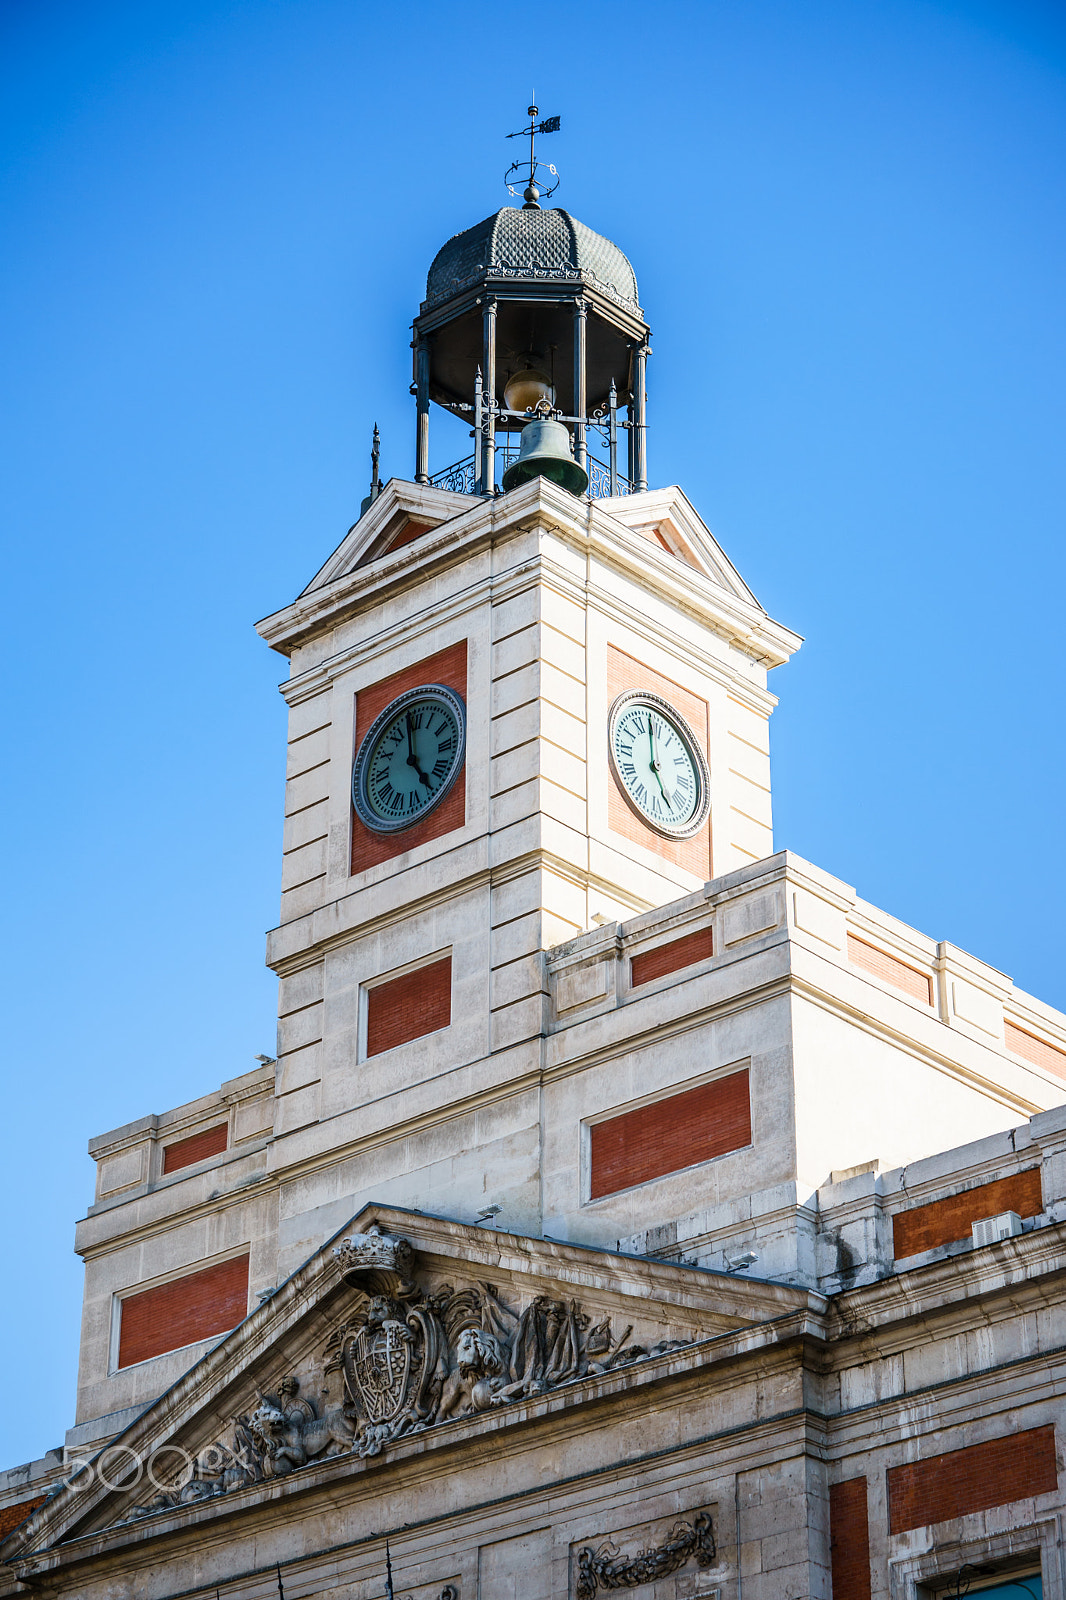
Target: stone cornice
[582,524]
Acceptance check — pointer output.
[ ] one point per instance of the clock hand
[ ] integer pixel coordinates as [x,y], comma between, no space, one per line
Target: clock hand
[654,762]
[412,759]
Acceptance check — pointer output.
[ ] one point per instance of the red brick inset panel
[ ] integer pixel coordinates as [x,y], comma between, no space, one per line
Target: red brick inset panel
[184,1152]
[670,1134]
[919,985]
[624,673]
[1030,1048]
[405,1008]
[198,1306]
[407,534]
[945,1221]
[369,848]
[11,1516]
[666,958]
[849,1540]
[962,1481]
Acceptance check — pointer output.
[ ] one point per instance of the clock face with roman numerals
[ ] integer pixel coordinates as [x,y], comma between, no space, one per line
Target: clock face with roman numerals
[659,764]
[409,759]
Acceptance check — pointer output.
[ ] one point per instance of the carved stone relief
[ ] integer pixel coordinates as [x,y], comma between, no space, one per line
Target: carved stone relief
[607,1568]
[407,1358]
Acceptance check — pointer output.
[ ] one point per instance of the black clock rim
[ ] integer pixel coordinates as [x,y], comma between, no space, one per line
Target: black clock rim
[657,702]
[360,800]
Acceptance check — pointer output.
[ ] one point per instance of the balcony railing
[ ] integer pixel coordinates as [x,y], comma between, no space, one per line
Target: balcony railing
[460,476]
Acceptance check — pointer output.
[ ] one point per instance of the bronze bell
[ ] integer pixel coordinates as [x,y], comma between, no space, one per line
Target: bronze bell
[544,451]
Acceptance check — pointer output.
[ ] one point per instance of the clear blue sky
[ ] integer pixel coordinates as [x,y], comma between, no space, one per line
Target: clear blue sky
[847,224]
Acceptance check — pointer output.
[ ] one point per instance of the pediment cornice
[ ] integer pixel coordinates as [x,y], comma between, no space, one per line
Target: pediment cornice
[704,584]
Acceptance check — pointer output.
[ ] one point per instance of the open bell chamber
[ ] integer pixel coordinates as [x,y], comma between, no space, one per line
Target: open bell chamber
[530,316]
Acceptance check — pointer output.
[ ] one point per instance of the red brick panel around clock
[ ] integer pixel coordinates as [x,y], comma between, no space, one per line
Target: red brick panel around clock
[669,1134]
[200,1305]
[849,1540]
[941,1488]
[369,849]
[945,1221]
[197,1147]
[405,1008]
[625,673]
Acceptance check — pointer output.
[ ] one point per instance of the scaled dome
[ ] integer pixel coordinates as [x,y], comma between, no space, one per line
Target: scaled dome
[552,244]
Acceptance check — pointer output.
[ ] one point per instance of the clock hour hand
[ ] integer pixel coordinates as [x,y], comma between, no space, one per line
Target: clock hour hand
[412,759]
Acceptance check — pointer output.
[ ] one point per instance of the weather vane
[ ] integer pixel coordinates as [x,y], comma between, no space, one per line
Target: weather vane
[532,194]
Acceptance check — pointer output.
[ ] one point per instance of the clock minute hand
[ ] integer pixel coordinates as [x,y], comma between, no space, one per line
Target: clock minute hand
[654,762]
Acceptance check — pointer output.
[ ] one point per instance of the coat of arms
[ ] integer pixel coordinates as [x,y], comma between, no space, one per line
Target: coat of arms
[377,1363]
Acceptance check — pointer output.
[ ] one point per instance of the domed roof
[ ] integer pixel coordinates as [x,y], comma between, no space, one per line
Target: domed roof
[534,243]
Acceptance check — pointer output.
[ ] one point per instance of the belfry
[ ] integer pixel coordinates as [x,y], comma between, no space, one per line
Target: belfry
[630,1204]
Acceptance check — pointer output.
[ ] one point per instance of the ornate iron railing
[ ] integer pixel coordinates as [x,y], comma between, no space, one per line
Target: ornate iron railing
[460,477]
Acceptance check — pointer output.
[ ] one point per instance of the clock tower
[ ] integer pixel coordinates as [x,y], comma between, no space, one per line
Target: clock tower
[516,714]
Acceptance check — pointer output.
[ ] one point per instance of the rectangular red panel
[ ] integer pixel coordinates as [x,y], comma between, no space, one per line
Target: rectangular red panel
[1030,1048]
[962,1481]
[945,1221]
[369,848]
[849,1540]
[199,1306]
[919,985]
[666,958]
[405,1008]
[624,673]
[185,1152]
[670,1134]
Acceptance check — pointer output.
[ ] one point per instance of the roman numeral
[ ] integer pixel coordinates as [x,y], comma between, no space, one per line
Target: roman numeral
[440,769]
[445,746]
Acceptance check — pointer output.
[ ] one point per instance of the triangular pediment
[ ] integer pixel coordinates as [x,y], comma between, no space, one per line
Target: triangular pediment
[667,519]
[401,1325]
[401,511]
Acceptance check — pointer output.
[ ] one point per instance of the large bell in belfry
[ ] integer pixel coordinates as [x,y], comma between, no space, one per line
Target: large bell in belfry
[544,452]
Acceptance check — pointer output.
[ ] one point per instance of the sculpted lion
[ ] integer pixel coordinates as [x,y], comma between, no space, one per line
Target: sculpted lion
[290,1441]
[475,1377]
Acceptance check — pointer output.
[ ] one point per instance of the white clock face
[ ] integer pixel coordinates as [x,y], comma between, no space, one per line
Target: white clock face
[409,759]
[659,764]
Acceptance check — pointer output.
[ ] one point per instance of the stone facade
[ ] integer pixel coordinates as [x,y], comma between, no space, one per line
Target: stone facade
[636,1249]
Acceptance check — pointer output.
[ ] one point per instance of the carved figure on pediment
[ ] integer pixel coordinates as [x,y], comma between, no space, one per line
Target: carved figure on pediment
[375,1251]
[287,1432]
[476,1377]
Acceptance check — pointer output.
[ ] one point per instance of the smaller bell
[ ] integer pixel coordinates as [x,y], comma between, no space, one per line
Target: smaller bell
[544,451]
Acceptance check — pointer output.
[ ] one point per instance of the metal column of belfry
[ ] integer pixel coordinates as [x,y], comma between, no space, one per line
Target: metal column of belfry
[422,411]
[638,421]
[580,379]
[488,460]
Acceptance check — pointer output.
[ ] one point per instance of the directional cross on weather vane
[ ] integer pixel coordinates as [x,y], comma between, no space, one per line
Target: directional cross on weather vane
[532,193]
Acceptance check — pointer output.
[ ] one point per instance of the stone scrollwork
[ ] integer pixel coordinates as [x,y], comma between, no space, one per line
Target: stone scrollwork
[606,1568]
[407,1358]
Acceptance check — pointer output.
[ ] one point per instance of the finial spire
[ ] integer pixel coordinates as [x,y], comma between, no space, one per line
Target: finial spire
[532,194]
[375,457]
